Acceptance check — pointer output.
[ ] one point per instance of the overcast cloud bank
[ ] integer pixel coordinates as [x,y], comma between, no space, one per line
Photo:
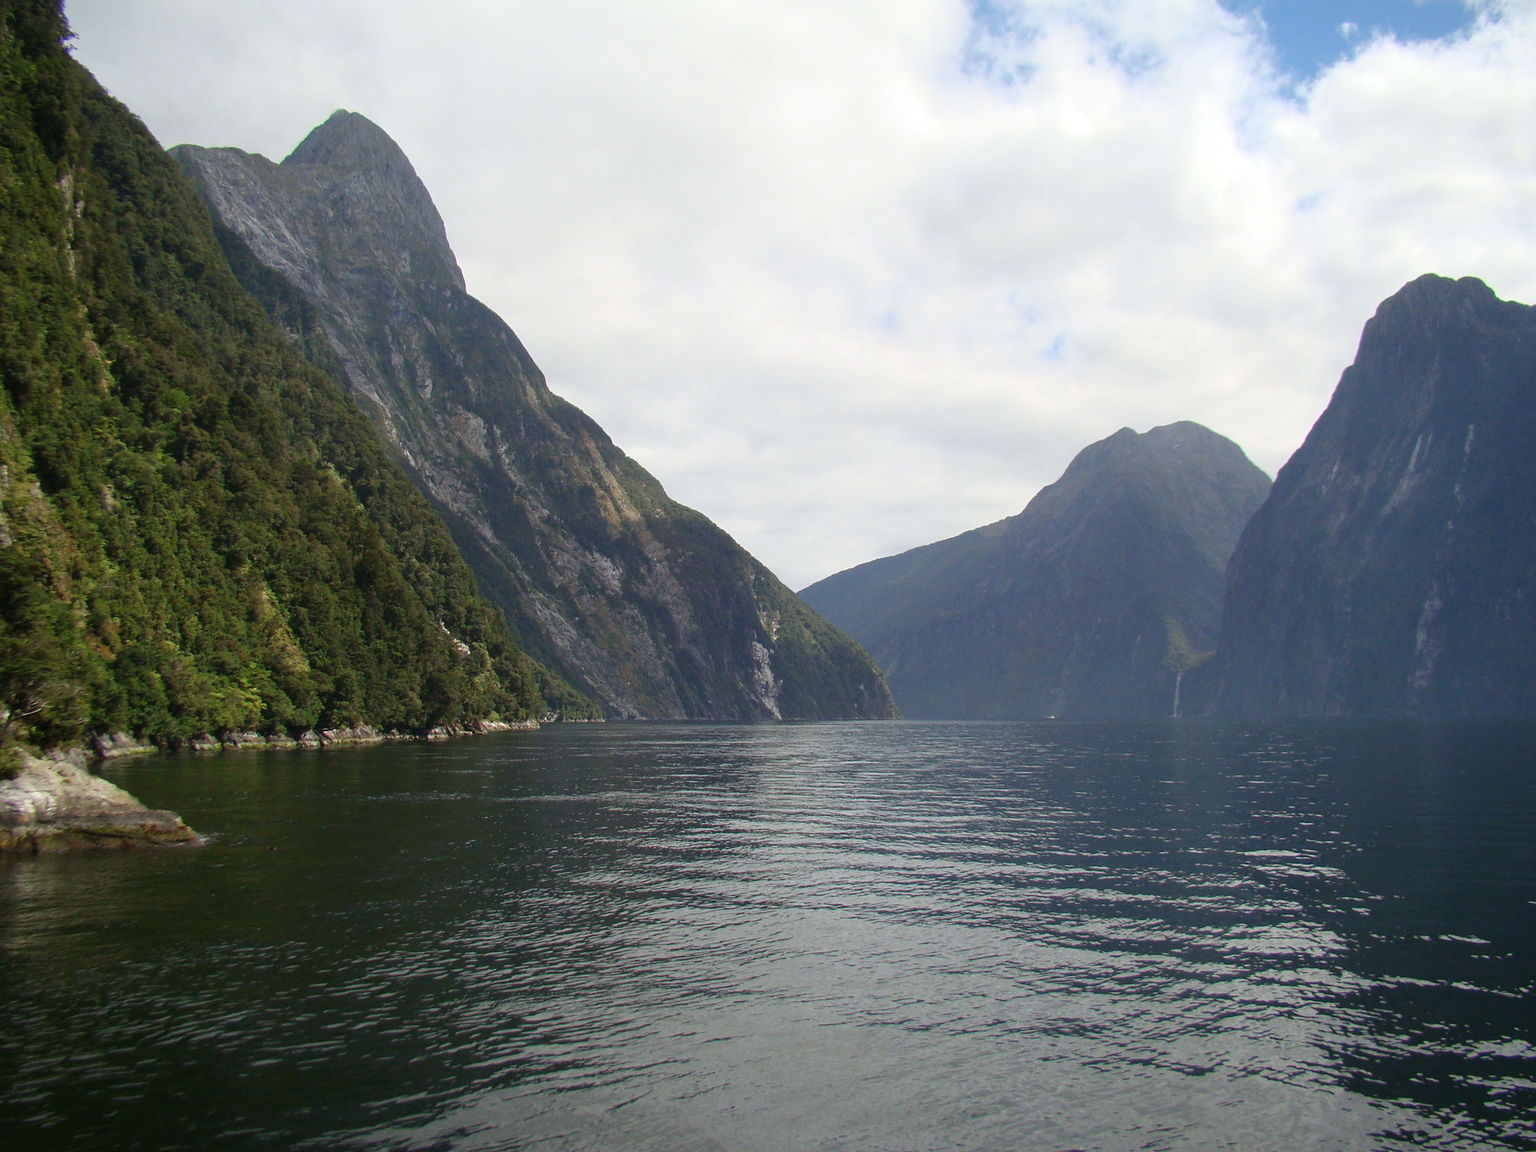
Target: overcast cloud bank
[850,278]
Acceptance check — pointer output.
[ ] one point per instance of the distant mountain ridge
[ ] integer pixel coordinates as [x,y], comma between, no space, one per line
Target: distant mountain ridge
[1392,571]
[640,601]
[1088,603]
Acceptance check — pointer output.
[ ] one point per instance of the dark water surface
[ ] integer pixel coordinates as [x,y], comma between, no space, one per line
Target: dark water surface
[884,936]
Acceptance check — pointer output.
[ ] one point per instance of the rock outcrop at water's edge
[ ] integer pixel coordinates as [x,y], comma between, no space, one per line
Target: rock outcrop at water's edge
[56,805]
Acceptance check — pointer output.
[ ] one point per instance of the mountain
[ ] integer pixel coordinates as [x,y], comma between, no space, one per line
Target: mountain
[640,601]
[199,532]
[1392,571]
[1090,602]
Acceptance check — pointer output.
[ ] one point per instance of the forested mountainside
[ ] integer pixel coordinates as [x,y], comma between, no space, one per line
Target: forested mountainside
[199,532]
[1392,571]
[638,600]
[1092,602]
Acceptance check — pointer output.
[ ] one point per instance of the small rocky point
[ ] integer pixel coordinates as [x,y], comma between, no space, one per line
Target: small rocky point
[56,805]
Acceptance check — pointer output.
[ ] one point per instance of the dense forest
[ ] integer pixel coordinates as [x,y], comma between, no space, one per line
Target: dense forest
[199,533]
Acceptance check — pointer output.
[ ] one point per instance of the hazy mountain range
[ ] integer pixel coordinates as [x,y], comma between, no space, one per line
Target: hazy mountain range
[1388,572]
[1084,604]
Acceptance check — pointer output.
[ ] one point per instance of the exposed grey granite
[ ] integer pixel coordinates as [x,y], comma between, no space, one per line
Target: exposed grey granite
[643,603]
[54,805]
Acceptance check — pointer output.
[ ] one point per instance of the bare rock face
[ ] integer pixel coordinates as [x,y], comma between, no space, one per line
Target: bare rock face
[1092,602]
[56,806]
[643,603]
[1392,571]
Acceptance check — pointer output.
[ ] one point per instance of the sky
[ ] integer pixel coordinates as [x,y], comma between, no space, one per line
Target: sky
[850,277]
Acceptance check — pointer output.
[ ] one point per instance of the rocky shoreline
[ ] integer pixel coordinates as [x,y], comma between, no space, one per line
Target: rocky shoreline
[114,747]
[56,804]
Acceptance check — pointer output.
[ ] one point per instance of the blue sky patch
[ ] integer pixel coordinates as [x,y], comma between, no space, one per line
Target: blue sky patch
[1310,35]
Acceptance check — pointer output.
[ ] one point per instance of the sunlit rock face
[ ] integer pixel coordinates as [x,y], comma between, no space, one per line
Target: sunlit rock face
[643,603]
[1392,570]
[1091,602]
[55,805]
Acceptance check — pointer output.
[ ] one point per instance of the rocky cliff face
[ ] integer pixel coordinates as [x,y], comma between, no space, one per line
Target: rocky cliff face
[642,602]
[1392,570]
[1088,603]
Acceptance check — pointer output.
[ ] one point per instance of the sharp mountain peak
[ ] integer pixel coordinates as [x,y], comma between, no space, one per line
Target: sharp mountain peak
[347,176]
[350,138]
[647,605]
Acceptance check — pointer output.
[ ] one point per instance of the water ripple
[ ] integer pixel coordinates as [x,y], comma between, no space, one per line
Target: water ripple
[872,937]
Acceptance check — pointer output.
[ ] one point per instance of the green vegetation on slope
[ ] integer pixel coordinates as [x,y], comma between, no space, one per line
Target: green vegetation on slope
[198,532]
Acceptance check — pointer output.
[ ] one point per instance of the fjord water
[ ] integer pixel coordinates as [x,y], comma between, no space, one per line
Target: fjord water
[876,936]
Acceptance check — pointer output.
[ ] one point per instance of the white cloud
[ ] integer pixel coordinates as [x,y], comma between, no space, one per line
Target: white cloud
[852,277]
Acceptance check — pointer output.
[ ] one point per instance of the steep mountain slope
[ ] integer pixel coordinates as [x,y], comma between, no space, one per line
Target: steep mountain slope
[1393,568]
[1090,602]
[199,533]
[641,601]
